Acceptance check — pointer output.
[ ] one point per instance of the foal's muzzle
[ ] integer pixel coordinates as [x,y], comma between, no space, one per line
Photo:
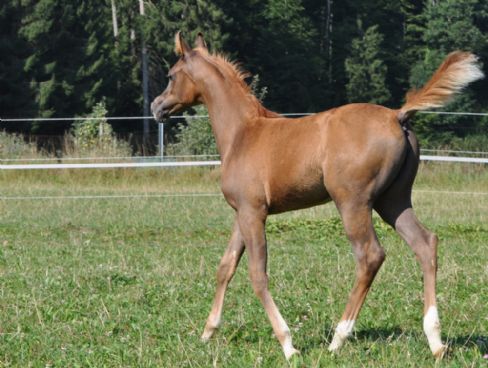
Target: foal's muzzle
[159,110]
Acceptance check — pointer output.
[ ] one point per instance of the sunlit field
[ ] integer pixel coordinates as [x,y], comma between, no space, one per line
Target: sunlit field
[120,272]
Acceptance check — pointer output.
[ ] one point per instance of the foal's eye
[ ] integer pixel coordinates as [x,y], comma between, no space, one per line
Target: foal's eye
[171,77]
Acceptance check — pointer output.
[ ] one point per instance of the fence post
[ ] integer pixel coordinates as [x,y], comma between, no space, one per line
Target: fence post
[145,83]
[161,140]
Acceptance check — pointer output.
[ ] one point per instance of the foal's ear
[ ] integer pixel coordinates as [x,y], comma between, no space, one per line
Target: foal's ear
[200,42]
[181,47]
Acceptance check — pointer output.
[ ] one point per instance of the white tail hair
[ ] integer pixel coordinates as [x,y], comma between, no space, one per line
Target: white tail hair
[456,72]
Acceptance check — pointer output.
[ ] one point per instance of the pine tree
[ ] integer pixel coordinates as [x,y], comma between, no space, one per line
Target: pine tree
[289,64]
[52,30]
[15,98]
[366,70]
[106,69]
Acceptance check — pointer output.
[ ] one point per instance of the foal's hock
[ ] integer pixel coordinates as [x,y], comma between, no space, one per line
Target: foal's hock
[361,156]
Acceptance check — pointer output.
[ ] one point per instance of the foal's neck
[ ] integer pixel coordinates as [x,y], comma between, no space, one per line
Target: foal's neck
[231,108]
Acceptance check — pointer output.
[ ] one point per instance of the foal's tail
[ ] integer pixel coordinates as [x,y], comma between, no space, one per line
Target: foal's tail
[456,72]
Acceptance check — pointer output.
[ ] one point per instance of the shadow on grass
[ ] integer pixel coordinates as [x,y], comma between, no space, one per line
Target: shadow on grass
[454,343]
[375,334]
[469,341]
[384,334]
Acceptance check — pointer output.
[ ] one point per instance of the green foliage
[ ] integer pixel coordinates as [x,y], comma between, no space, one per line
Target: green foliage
[452,25]
[14,96]
[94,136]
[195,137]
[72,63]
[49,26]
[366,70]
[287,38]
[257,89]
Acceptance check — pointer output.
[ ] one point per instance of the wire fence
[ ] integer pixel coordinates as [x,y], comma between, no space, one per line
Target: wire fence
[289,114]
[199,157]
[443,155]
[189,195]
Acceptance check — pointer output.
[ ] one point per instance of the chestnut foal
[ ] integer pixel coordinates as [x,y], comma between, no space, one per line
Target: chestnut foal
[361,156]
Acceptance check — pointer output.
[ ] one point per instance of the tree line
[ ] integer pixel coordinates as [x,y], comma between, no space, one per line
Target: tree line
[60,57]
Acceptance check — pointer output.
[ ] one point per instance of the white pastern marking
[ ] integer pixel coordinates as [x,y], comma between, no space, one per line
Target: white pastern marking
[432,329]
[342,331]
[287,344]
[215,320]
[212,324]
[288,348]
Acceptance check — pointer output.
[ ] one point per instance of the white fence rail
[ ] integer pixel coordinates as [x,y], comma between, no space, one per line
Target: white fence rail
[473,160]
[108,165]
[112,165]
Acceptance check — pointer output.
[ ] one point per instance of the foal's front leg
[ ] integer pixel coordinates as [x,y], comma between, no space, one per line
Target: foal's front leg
[252,223]
[227,267]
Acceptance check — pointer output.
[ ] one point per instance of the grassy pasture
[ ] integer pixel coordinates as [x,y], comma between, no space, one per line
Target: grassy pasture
[128,282]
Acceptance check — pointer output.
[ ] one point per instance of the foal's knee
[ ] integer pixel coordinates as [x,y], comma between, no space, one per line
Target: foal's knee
[377,257]
[372,257]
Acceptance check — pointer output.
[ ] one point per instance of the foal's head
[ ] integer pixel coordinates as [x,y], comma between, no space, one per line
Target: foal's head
[182,90]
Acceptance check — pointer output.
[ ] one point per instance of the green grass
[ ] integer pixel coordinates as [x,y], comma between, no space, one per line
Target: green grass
[129,282]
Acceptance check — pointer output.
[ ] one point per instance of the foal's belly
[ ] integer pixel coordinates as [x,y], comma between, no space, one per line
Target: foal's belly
[282,199]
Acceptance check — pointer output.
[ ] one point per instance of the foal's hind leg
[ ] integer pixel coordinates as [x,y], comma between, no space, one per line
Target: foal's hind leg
[226,270]
[395,207]
[424,244]
[369,257]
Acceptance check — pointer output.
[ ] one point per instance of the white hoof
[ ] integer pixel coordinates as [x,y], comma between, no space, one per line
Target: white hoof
[207,334]
[336,343]
[440,352]
[342,331]
[290,352]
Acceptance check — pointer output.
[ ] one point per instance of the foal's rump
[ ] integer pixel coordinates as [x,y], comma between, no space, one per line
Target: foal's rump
[366,147]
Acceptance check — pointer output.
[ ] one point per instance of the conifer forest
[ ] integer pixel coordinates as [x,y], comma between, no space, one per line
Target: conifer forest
[61,58]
